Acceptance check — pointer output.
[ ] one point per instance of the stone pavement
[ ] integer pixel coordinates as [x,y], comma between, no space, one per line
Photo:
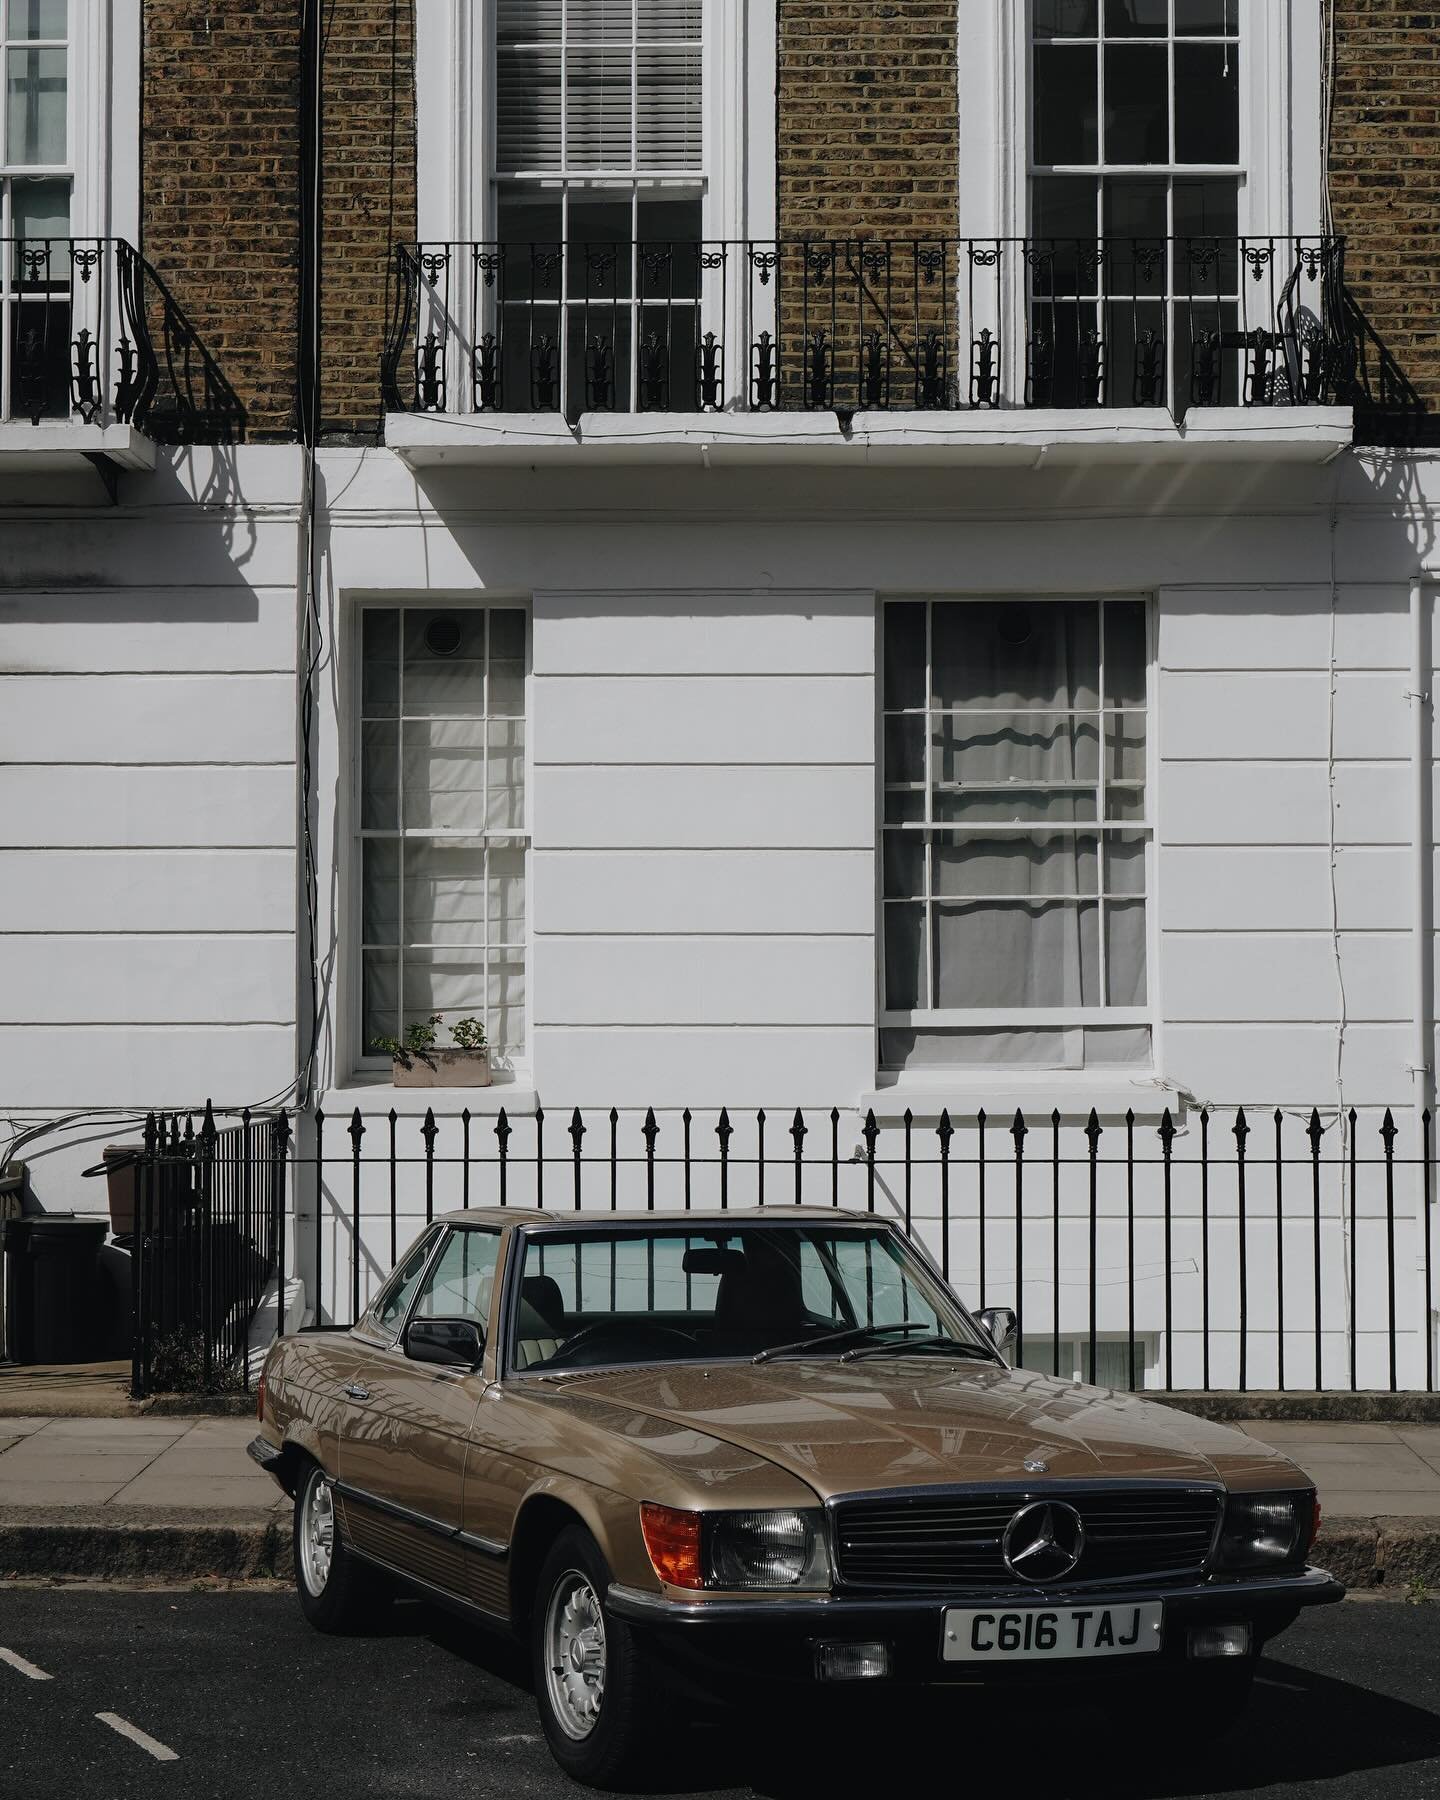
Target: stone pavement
[147,1461]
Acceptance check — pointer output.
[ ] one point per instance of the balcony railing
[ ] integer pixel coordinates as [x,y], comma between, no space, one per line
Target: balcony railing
[855,325]
[91,335]
[77,342]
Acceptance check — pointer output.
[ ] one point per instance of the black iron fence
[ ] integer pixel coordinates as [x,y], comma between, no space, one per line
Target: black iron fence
[209,1236]
[860,324]
[1245,1250]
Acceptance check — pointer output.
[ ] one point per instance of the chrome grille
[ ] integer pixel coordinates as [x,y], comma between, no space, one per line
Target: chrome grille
[954,1540]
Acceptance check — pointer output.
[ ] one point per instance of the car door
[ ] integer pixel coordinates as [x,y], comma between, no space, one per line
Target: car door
[402,1460]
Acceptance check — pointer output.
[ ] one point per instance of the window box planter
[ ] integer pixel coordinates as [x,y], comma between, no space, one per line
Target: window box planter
[449,1068]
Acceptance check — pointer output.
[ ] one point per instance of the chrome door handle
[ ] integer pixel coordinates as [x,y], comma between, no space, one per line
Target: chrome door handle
[355,1392]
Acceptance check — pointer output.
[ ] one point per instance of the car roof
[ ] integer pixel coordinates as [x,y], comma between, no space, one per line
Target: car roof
[566,1219]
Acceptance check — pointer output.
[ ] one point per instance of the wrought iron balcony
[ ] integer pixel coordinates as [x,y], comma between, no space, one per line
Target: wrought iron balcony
[868,324]
[92,336]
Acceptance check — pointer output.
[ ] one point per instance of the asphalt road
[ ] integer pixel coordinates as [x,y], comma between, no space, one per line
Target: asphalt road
[250,1702]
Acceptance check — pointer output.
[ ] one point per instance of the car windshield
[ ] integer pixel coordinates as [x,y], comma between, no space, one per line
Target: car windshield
[680,1294]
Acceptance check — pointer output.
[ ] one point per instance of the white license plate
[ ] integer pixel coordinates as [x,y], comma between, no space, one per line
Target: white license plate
[993,1635]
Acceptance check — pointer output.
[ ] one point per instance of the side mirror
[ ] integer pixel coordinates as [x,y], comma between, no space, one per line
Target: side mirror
[453,1343]
[999,1326]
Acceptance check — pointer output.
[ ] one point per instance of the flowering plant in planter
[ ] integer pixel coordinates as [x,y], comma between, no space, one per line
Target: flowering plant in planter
[419,1061]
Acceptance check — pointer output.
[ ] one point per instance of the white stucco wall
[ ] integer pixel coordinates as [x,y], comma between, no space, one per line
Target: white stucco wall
[702,784]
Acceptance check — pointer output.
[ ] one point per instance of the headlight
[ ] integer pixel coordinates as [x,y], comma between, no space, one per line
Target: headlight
[779,1549]
[1262,1529]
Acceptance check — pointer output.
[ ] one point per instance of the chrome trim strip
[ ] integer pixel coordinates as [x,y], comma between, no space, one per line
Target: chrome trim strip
[470,1540]
[1311,1587]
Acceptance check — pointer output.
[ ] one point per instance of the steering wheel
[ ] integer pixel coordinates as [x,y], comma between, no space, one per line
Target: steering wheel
[592,1334]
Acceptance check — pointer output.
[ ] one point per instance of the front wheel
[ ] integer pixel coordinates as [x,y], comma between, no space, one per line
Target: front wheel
[337,1591]
[588,1666]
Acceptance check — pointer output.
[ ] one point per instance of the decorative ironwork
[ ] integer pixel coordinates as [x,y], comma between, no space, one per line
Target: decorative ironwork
[85,393]
[861,324]
[488,387]
[985,369]
[710,373]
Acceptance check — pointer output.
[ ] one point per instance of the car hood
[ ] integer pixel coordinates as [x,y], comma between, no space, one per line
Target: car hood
[851,1427]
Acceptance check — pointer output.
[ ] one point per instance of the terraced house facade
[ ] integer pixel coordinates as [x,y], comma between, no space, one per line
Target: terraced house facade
[866,563]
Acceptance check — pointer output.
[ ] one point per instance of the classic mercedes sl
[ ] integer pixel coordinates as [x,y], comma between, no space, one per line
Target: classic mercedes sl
[727,1448]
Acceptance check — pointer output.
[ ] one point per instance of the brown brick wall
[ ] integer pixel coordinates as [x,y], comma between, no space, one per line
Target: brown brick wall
[369,197]
[867,127]
[1385,175]
[218,183]
[220,172]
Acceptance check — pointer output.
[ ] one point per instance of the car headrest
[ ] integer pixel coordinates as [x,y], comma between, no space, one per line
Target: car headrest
[541,1296]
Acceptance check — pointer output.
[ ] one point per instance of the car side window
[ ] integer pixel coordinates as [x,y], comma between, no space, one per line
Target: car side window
[391,1307]
[460,1284]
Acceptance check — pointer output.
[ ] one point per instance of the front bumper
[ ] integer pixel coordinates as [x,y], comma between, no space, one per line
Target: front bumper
[774,1638]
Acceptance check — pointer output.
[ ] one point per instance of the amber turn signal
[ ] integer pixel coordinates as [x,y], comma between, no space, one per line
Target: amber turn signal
[672,1539]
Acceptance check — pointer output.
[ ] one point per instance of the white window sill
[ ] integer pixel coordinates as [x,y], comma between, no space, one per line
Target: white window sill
[374,1093]
[1037,1094]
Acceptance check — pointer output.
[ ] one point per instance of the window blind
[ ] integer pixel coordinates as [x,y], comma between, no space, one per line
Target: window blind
[592,86]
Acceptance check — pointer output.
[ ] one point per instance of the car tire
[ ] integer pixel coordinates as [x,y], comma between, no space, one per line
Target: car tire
[338,1592]
[599,1738]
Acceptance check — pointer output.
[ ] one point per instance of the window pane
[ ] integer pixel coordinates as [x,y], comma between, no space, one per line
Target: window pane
[1125,656]
[1038,953]
[1137,18]
[1058,863]
[379,798]
[904,955]
[1137,115]
[1064,212]
[379,663]
[1117,1046]
[40,208]
[1125,952]
[1124,863]
[444,662]
[1066,18]
[667,125]
[507,663]
[1207,103]
[904,806]
[451,982]
[1208,209]
[1202,18]
[905,748]
[380,997]
[444,893]
[904,865]
[1065,104]
[1137,207]
[1125,749]
[981,1046]
[35,130]
[505,750]
[397,1298]
[36,19]
[505,1002]
[505,897]
[527,108]
[462,1281]
[1031,749]
[380,891]
[444,774]
[1010,653]
[904,655]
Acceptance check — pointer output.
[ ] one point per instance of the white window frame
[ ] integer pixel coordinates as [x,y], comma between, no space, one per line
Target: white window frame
[352,1026]
[1020,1017]
[1280,111]
[455,100]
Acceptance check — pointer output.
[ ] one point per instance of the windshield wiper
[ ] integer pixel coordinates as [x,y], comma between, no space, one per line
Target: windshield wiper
[951,1346]
[838,1337]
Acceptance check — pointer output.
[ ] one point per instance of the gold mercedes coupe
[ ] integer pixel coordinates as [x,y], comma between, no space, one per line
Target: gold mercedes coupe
[730,1448]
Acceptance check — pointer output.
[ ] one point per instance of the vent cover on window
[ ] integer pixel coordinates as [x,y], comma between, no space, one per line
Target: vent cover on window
[598,85]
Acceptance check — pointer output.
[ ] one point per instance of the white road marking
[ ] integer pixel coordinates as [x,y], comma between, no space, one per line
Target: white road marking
[161,1752]
[25,1668]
